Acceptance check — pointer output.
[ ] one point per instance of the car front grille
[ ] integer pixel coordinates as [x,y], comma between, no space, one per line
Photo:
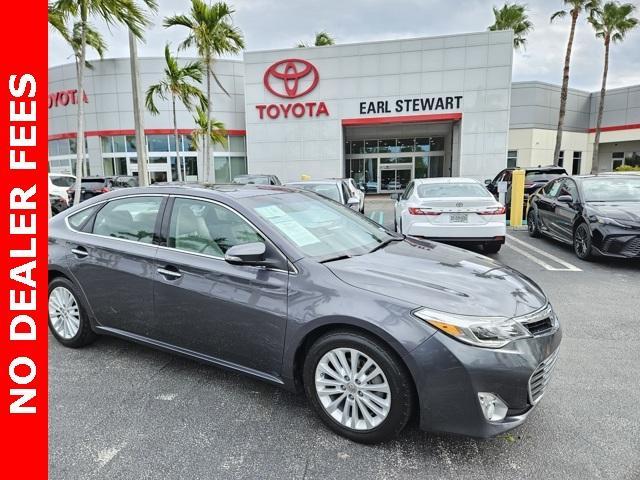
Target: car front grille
[540,378]
[632,248]
[539,322]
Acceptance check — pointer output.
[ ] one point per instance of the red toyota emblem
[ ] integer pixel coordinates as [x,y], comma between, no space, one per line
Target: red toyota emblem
[291,78]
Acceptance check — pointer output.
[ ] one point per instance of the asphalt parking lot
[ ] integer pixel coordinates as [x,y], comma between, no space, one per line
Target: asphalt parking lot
[123,411]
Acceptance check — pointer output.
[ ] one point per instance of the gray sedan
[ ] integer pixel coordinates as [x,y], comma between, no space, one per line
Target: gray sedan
[304,293]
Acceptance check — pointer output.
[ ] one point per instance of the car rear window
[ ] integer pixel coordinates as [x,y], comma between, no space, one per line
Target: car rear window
[449,190]
[328,190]
[542,176]
[62,181]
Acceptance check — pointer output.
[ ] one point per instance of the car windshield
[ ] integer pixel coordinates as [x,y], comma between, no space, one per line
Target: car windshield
[62,181]
[252,179]
[439,190]
[611,189]
[538,177]
[322,230]
[329,190]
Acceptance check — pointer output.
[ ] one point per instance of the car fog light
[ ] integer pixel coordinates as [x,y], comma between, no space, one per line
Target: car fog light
[493,408]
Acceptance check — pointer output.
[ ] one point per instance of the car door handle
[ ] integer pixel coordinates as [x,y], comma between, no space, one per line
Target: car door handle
[80,252]
[172,274]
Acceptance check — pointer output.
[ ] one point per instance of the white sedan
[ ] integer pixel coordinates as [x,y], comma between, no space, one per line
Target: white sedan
[451,209]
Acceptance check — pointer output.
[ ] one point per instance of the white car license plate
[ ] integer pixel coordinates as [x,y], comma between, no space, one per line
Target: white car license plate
[458,218]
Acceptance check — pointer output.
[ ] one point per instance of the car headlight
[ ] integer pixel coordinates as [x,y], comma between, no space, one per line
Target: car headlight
[612,221]
[488,332]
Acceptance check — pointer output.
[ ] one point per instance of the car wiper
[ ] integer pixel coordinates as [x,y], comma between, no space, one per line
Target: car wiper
[385,243]
[333,259]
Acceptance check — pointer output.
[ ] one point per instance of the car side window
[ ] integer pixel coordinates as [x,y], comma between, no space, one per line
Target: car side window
[345,191]
[569,188]
[408,191]
[131,218]
[552,188]
[204,227]
[77,220]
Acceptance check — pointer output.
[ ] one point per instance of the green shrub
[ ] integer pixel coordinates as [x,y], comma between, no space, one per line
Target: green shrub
[628,168]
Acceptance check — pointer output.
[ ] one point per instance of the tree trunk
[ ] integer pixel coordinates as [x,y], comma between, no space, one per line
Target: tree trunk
[175,133]
[138,117]
[603,91]
[80,133]
[206,142]
[565,87]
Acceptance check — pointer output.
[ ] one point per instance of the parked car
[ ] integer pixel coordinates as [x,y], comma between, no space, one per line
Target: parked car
[90,187]
[534,178]
[354,191]
[596,214]
[59,183]
[124,181]
[451,209]
[336,190]
[371,186]
[286,287]
[393,185]
[58,203]
[257,179]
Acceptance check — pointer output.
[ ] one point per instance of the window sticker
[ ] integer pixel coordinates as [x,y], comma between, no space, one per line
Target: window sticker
[283,222]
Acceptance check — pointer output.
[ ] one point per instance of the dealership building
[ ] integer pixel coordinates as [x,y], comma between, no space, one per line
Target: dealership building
[380,112]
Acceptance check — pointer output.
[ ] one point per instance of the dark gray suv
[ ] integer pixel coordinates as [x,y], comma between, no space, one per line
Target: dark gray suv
[299,291]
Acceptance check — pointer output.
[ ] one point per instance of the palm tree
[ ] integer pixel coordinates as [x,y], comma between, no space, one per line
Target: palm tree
[212,32]
[513,16]
[214,130]
[112,12]
[577,7]
[177,84]
[611,24]
[322,39]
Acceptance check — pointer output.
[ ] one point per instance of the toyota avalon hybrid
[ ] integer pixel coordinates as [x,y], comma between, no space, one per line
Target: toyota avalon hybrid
[299,291]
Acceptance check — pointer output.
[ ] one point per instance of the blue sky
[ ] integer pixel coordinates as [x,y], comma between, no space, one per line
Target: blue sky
[269,24]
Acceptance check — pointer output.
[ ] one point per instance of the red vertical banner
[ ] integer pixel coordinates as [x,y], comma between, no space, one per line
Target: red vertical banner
[23,223]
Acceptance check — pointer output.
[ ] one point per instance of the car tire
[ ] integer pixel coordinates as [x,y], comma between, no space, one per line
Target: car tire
[68,319]
[532,224]
[491,247]
[582,243]
[372,422]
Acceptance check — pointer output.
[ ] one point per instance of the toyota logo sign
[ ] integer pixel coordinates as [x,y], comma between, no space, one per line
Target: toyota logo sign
[291,78]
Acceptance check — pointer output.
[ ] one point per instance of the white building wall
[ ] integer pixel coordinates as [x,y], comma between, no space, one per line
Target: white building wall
[476,66]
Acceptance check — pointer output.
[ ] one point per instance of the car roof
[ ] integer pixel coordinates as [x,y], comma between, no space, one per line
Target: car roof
[54,174]
[436,180]
[315,182]
[228,190]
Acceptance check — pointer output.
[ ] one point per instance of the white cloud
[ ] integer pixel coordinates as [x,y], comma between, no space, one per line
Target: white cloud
[269,24]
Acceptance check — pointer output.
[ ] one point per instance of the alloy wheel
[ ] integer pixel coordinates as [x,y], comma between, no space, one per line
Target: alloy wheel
[352,389]
[64,312]
[580,242]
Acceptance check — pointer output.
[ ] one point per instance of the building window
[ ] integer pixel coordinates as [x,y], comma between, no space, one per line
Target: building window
[561,158]
[577,160]
[512,158]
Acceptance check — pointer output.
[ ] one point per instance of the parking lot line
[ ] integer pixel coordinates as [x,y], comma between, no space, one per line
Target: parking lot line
[568,267]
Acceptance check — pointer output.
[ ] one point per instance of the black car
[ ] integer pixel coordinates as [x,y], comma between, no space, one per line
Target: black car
[257,179]
[58,203]
[124,181]
[304,293]
[90,187]
[597,214]
[534,178]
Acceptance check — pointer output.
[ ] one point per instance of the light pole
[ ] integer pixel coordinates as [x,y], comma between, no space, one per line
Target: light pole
[138,117]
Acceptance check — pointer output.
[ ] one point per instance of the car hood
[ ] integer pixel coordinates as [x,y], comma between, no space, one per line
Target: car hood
[629,211]
[444,278]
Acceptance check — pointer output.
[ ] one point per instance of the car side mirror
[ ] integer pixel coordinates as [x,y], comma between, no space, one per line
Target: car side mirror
[565,199]
[353,202]
[395,196]
[487,182]
[247,254]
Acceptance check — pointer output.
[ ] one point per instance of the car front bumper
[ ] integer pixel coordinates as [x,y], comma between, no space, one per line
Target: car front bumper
[449,375]
[613,241]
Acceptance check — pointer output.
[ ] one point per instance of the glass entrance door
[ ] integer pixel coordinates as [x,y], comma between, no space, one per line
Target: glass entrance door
[394,178]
